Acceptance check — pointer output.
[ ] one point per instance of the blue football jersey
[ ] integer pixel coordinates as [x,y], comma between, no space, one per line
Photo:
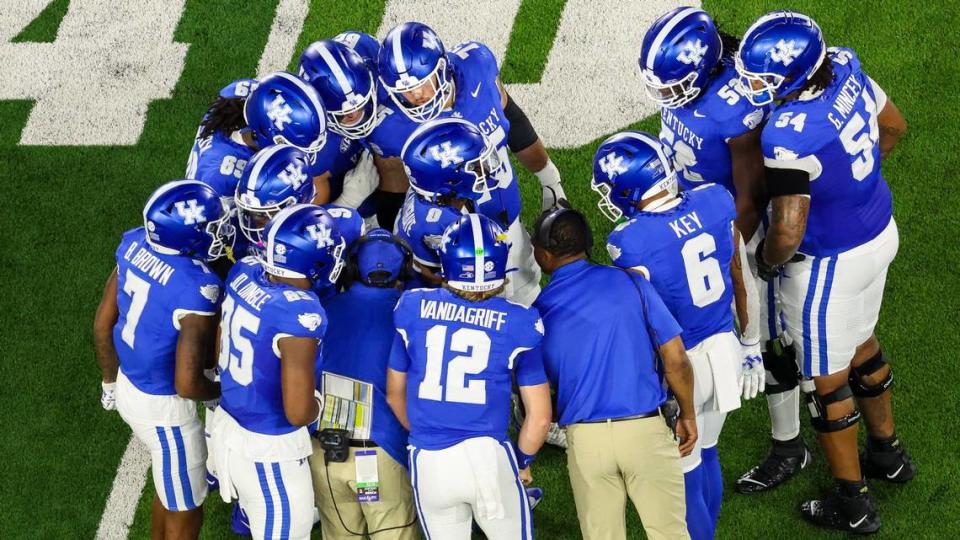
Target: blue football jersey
[460,358]
[218,161]
[833,137]
[338,156]
[686,252]
[477,100]
[420,224]
[154,291]
[695,136]
[256,314]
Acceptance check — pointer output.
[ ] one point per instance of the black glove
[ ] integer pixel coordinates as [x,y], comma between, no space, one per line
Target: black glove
[768,271]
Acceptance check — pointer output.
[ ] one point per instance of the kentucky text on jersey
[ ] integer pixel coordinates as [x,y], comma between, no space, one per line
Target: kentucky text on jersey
[686,134]
[249,291]
[446,311]
[149,264]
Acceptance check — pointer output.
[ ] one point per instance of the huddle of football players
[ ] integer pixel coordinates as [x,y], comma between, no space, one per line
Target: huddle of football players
[759,215]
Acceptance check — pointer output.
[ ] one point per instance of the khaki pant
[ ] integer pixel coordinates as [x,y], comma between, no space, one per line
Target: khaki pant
[613,460]
[395,507]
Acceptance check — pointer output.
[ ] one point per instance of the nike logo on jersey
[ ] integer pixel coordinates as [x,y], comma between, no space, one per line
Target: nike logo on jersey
[477,90]
[854,525]
[698,114]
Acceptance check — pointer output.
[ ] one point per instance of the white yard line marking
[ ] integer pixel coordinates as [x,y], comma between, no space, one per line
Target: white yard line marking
[125,494]
[284,33]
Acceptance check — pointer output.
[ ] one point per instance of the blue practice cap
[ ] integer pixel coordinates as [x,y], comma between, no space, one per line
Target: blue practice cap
[380,251]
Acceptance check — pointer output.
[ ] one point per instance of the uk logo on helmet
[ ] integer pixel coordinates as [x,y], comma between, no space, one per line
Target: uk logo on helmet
[447,154]
[293,175]
[612,165]
[692,52]
[785,52]
[430,40]
[279,112]
[322,234]
[190,211]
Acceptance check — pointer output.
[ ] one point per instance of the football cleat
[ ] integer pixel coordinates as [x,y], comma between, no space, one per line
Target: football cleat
[778,467]
[853,514]
[894,465]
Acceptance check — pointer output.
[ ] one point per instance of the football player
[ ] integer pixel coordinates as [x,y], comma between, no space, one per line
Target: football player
[455,354]
[833,235]
[444,185]
[343,170]
[269,333]
[686,245]
[364,44]
[425,82]
[275,178]
[711,132]
[154,332]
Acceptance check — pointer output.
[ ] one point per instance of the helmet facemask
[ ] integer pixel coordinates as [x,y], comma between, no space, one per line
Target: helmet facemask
[253,218]
[674,94]
[488,170]
[440,82]
[222,233]
[367,105]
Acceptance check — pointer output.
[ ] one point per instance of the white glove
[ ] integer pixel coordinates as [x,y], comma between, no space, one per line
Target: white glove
[753,378]
[550,189]
[108,395]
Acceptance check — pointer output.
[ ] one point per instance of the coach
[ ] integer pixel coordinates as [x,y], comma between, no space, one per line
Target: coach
[602,326]
[357,346]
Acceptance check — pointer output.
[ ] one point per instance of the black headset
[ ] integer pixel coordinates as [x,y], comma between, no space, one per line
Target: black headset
[543,228]
[351,272]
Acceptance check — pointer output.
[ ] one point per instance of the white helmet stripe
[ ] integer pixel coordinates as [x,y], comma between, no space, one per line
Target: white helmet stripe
[397,51]
[662,35]
[262,157]
[778,15]
[337,72]
[478,250]
[655,144]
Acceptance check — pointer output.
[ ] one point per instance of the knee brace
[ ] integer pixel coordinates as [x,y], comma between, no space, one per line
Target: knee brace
[818,411]
[781,365]
[862,388]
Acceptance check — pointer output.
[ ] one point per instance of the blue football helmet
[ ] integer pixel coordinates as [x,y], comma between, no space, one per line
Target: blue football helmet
[473,254]
[778,55]
[677,54]
[367,46]
[345,84]
[284,109]
[187,217]
[628,168]
[451,157]
[303,241]
[381,257]
[349,221]
[412,59]
[273,179]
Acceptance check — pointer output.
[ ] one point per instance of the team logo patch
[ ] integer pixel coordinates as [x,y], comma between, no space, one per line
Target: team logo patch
[310,321]
[612,165]
[753,119]
[210,292]
[446,154]
[782,154]
[614,251]
[785,52]
[488,266]
[279,112]
[692,52]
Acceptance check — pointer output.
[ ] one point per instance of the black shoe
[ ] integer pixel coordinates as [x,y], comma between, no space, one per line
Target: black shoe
[784,461]
[854,514]
[887,460]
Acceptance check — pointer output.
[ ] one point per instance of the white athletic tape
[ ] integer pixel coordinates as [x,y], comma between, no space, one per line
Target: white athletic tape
[94,83]
[125,493]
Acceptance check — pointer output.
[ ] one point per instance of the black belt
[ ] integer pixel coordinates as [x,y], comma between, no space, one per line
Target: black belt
[363,443]
[651,414]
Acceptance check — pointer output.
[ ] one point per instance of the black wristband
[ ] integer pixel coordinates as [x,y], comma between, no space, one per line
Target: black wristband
[521,134]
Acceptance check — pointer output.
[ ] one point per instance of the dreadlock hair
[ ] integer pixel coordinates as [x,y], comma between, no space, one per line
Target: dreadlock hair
[225,115]
[730,44]
[822,77]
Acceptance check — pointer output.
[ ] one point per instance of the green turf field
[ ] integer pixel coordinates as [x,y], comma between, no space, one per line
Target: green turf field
[65,208]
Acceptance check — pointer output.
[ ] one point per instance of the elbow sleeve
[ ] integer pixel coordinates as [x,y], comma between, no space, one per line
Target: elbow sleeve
[521,133]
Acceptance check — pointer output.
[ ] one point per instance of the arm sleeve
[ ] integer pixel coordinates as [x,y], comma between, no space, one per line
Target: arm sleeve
[659,320]
[522,134]
[399,359]
[529,367]
[750,334]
